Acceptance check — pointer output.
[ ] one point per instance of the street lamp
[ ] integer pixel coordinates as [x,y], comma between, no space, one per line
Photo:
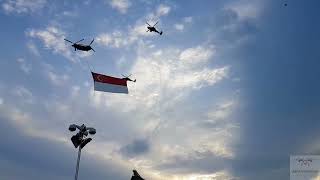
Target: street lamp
[79,140]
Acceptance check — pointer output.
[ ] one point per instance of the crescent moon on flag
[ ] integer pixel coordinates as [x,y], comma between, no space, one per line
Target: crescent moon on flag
[98,77]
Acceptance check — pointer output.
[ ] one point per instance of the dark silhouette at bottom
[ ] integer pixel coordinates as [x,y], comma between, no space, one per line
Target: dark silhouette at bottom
[136,175]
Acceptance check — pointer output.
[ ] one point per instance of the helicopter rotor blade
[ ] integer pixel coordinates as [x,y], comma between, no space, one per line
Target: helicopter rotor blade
[93,50]
[148,24]
[68,41]
[155,24]
[79,41]
[91,42]
[126,76]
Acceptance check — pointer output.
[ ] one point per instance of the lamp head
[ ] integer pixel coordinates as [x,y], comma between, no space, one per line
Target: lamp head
[72,127]
[92,131]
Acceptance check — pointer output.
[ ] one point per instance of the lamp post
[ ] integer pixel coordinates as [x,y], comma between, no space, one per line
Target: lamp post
[79,140]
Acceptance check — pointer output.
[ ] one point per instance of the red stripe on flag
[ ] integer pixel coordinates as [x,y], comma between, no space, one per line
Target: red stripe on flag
[108,79]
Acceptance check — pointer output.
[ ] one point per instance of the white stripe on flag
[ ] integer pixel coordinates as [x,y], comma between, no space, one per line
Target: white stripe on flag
[98,86]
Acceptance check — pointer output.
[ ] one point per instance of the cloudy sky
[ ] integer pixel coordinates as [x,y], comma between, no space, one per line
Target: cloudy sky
[229,91]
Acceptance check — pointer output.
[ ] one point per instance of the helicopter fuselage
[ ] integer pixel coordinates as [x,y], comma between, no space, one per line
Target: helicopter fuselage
[82,47]
[128,79]
[152,29]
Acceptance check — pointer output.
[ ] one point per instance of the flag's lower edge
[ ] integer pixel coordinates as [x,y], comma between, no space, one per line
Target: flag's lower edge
[98,86]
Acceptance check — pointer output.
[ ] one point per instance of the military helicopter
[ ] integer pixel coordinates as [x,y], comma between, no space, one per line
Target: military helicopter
[81,47]
[127,78]
[152,28]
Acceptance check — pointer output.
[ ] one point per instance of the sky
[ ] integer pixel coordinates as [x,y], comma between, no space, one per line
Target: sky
[228,92]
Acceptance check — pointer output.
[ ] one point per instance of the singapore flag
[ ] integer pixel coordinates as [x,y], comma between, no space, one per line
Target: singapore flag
[109,84]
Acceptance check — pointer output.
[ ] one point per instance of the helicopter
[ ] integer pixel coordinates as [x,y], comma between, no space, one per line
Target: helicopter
[127,78]
[152,28]
[81,47]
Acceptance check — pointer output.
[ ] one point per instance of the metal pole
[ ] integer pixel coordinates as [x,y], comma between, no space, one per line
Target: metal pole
[78,162]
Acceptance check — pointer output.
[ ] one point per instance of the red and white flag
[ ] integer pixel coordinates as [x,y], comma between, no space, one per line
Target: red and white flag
[109,84]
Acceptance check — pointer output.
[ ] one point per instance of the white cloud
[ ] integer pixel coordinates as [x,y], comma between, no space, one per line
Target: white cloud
[70,13]
[139,30]
[179,27]
[222,111]
[238,22]
[87,2]
[220,119]
[201,78]
[24,66]
[54,77]
[197,55]
[116,39]
[198,146]
[188,19]
[119,39]
[153,17]
[16,116]
[221,175]
[245,9]
[23,6]
[105,39]
[163,10]
[26,123]
[121,5]
[52,38]
[57,79]
[86,84]
[25,94]
[182,25]
[121,62]
[33,49]
[75,91]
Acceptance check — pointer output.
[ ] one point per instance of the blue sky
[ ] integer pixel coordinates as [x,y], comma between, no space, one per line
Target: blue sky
[229,91]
